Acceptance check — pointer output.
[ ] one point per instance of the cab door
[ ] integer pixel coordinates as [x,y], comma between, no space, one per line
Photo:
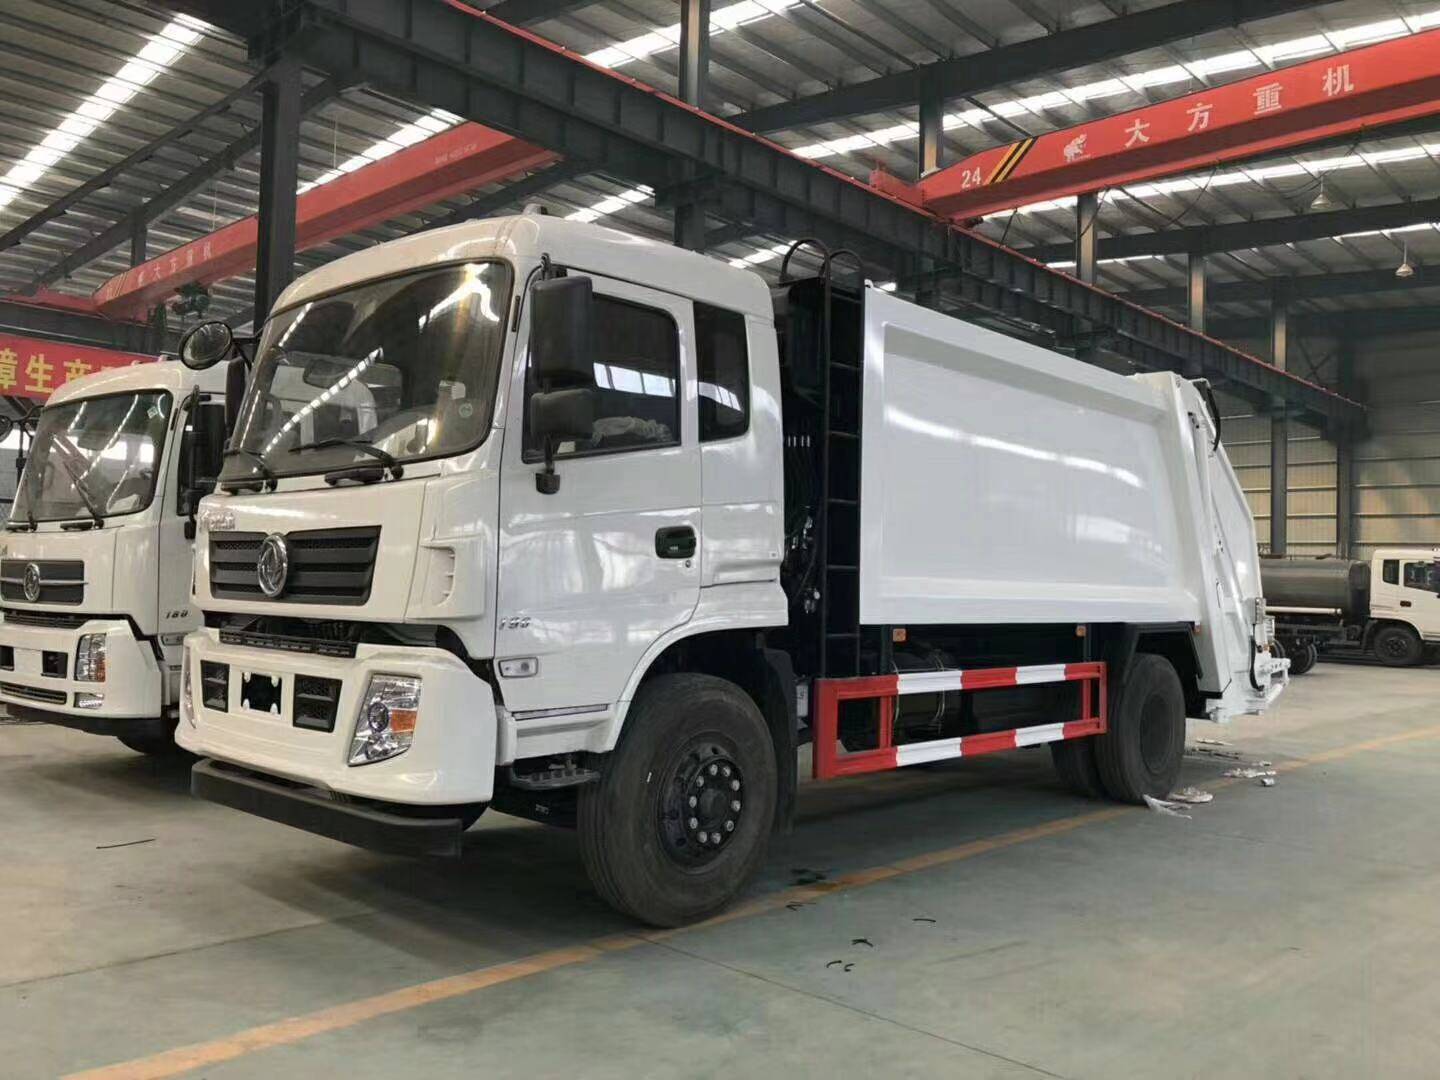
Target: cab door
[1419,604]
[592,575]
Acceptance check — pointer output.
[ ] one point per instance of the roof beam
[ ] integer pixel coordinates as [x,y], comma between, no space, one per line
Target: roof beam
[1266,232]
[459,59]
[1043,55]
[174,194]
[525,12]
[1356,324]
[65,323]
[1305,287]
[104,179]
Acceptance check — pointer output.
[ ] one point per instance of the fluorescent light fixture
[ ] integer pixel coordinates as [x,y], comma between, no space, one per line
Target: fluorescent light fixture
[159,52]
[662,38]
[432,123]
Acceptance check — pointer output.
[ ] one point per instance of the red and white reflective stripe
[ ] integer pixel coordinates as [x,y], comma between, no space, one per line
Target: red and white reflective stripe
[885,689]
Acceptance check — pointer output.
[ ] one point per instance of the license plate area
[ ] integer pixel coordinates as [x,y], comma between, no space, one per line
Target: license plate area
[262,692]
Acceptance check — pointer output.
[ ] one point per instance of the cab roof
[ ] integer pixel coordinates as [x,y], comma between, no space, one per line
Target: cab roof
[161,374]
[525,237]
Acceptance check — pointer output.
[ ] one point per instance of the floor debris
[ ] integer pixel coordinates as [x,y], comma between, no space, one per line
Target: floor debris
[1173,809]
[1192,795]
[1249,772]
[1210,751]
[127,843]
[1212,742]
[1267,781]
[922,918]
[862,941]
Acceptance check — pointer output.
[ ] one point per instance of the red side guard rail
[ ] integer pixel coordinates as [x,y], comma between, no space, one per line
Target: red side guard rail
[830,763]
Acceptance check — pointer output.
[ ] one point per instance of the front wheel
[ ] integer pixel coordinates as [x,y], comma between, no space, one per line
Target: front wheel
[1141,752]
[1398,646]
[680,819]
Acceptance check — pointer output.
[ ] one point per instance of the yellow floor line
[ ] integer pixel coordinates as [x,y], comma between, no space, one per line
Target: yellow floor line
[184,1059]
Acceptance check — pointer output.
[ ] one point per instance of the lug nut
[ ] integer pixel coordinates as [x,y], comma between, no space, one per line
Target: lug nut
[704,837]
[729,826]
[734,785]
[694,822]
[694,801]
[727,770]
[714,769]
[699,781]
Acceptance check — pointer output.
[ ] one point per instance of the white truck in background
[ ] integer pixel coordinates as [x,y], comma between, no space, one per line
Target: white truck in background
[96,558]
[535,515]
[1388,607]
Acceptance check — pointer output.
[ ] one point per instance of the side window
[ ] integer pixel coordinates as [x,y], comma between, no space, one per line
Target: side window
[1418,576]
[1390,571]
[202,448]
[724,367]
[637,381]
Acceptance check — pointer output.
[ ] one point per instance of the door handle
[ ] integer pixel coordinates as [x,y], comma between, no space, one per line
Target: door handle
[675,542]
[1406,603]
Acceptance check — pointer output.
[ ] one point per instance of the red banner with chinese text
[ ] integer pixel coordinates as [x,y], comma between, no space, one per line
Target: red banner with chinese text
[33,367]
[1336,95]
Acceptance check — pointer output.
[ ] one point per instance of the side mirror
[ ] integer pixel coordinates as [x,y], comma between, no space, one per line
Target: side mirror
[206,345]
[562,363]
[561,332]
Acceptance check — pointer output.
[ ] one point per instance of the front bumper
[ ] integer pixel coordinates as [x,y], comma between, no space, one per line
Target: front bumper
[132,688]
[362,826]
[451,761]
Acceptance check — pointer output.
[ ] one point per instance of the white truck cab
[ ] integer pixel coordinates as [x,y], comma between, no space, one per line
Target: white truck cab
[535,515]
[96,557]
[1405,588]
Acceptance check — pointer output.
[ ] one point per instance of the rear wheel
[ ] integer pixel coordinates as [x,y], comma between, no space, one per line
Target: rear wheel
[1398,646]
[680,820]
[1302,658]
[1141,752]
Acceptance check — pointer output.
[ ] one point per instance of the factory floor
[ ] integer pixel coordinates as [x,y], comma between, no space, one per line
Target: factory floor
[969,920]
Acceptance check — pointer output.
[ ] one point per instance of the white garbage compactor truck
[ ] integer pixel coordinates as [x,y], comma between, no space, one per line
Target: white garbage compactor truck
[535,515]
[96,557]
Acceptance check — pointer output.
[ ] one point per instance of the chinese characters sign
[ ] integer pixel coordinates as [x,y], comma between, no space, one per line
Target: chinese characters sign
[33,368]
[1334,95]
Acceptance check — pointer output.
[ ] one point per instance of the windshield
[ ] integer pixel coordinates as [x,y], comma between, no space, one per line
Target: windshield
[407,366]
[97,457]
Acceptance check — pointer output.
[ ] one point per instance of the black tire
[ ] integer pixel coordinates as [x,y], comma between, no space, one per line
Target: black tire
[643,860]
[1398,646]
[1303,658]
[1142,751]
[1314,651]
[1074,761]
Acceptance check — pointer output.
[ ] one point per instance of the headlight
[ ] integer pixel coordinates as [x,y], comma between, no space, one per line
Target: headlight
[90,658]
[187,693]
[386,724]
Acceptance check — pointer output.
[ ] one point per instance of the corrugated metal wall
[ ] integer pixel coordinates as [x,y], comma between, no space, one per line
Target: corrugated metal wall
[1397,466]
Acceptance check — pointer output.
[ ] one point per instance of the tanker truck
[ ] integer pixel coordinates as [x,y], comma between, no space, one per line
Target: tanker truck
[605,530]
[1388,607]
[95,561]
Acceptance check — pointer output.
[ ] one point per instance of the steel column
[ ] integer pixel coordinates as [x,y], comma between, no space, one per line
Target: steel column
[1345,461]
[1198,279]
[1279,432]
[694,77]
[932,130]
[1087,219]
[279,178]
[139,240]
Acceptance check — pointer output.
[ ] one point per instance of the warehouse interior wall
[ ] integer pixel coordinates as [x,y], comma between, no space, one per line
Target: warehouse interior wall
[1397,465]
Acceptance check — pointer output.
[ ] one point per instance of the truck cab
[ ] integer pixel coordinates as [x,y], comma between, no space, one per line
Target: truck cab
[1405,594]
[95,560]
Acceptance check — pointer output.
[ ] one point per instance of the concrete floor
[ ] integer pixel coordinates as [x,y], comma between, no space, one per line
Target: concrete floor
[1291,931]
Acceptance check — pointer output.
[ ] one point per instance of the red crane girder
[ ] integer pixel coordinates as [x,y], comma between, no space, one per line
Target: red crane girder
[1336,95]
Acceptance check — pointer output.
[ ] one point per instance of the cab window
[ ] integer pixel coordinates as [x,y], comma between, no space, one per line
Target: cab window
[724,370]
[1390,571]
[1419,575]
[202,449]
[637,383]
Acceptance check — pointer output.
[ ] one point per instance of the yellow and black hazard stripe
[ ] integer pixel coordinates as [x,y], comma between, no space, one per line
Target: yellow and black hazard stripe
[1010,161]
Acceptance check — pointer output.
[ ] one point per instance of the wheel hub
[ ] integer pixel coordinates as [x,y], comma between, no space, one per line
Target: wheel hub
[702,805]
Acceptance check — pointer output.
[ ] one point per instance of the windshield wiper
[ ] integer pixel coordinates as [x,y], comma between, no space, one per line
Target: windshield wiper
[356,442]
[262,467]
[76,482]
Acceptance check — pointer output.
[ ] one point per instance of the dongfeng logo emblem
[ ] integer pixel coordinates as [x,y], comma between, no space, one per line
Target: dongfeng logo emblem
[31,582]
[273,565]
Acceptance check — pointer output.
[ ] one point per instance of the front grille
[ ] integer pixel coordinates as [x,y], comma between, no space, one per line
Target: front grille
[327,566]
[316,702]
[313,646]
[51,620]
[34,693]
[62,581]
